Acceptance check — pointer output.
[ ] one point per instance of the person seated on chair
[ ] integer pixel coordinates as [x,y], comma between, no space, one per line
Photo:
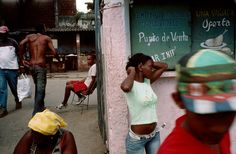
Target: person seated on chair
[46,136]
[81,87]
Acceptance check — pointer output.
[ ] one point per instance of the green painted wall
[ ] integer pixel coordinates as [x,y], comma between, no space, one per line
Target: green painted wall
[166,32]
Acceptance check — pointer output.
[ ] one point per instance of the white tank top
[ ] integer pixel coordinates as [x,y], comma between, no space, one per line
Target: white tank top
[8,58]
[142,103]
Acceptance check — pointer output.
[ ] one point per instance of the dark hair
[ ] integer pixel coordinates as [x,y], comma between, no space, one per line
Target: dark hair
[92,55]
[40,28]
[136,59]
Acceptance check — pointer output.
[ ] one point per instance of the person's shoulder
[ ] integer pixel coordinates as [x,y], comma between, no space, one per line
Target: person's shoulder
[45,36]
[68,142]
[174,143]
[146,80]
[27,135]
[68,133]
[93,66]
[65,132]
[30,35]
[180,141]
[67,136]
[12,42]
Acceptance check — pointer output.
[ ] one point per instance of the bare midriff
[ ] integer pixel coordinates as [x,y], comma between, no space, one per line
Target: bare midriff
[144,128]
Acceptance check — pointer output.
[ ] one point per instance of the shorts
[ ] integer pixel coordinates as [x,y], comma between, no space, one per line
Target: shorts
[78,86]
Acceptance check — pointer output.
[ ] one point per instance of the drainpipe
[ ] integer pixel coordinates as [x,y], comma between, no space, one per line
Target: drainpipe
[56,13]
[100,97]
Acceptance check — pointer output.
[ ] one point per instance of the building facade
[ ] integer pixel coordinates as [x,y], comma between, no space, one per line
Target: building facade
[165,30]
[72,39]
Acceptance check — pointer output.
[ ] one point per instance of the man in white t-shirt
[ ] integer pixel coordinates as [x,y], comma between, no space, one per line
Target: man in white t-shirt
[81,87]
[8,69]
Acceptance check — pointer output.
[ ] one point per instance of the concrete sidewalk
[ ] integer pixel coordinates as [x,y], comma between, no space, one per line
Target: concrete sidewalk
[83,125]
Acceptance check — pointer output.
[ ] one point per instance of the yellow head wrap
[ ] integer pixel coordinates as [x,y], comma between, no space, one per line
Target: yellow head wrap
[46,122]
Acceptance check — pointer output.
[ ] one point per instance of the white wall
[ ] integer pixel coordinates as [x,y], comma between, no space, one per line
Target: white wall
[114,48]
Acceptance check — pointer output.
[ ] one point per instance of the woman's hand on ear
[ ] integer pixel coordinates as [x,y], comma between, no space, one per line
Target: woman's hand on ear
[127,84]
[158,69]
[131,69]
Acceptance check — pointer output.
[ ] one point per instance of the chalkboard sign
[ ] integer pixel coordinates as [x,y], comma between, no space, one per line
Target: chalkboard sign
[162,32]
[213,29]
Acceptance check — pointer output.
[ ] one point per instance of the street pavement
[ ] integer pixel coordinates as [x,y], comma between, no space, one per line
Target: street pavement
[82,123]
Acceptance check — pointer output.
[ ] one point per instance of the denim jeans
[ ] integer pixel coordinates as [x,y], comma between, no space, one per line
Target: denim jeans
[39,75]
[9,77]
[137,146]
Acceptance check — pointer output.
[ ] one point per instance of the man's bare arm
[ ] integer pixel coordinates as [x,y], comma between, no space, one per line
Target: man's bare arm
[22,50]
[52,49]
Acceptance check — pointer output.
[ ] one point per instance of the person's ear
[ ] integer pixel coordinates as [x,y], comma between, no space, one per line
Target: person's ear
[178,101]
[140,67]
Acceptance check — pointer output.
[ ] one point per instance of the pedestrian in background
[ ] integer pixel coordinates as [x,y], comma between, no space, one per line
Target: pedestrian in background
[8,69]
[206,90]
[143,133]
[81,87]
[39,45]
[46,136]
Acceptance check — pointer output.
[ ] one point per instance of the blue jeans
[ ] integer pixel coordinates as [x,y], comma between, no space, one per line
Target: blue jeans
[137,146]
[39,75]
[9,77]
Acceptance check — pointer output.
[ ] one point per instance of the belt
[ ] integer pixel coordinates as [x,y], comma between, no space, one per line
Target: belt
[146,136]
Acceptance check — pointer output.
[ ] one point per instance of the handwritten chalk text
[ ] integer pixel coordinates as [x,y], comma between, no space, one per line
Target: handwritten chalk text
[164,55]
[154,38]
[209,24]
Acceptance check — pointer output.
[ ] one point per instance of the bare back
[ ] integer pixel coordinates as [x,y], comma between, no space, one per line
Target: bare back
[38,45]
